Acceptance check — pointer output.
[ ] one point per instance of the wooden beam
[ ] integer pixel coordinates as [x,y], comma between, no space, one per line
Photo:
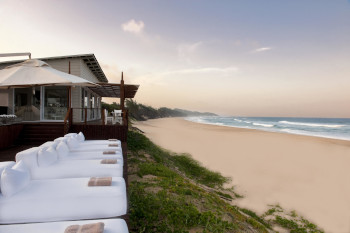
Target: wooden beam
[85,113]
[122,93]
[15,55]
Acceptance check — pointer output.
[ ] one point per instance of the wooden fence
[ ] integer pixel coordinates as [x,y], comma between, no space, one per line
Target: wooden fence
[9,134]
[94,132]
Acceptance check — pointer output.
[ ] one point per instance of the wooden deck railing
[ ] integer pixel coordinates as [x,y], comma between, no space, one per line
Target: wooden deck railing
[95,116]
[9,134]
[68,121]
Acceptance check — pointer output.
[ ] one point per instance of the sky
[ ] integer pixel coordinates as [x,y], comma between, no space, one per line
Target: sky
[231,57]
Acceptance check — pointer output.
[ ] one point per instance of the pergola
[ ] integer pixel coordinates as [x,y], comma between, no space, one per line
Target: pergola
[116,90]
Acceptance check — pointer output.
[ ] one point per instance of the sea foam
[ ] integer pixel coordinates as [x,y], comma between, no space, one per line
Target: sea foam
[311,124]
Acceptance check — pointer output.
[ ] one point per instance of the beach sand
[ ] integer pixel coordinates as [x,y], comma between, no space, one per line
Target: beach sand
[308,174]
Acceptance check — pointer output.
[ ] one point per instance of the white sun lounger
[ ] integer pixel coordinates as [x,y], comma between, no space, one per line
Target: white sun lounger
[61,169]
[84,155]
[63,199]
[86,146]
[95,142]
[111,226]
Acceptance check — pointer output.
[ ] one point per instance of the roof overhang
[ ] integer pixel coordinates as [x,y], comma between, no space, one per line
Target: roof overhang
[113,90]
[89,59]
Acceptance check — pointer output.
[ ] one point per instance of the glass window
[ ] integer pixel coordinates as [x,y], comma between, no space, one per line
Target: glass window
[27,103]
[92,101]
[55,103]
[86,99]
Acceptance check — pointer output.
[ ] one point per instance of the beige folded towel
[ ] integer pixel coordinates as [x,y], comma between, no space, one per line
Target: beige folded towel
[86,228]
[109,152]
[109,161]
[113,140]
[100,181]
[114,145]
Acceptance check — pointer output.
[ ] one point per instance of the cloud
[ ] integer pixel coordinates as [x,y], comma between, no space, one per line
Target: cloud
[263,49]
[133,26]
[186,51]
[194,74]
[230,69]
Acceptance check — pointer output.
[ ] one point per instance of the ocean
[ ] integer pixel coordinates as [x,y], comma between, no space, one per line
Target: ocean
[336,128]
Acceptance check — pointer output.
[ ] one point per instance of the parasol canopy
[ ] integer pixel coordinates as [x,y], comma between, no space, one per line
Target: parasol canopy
[34,72]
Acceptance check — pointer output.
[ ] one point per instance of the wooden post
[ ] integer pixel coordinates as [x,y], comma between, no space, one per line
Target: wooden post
[85,115]
[69,109]
[70,99]
[103,116]
[122,95]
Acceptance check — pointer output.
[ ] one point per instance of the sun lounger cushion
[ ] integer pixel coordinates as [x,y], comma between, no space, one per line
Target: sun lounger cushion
[72,142]
[50,143]
[47,156]
[85,147]
[82,141]
[77,168]
[93,155]
[14,179]
[64,199]
[29,157]
[81,137]
[65,139]
[4,165]
[62,150]
[111,226]
[70,134]
[20,166]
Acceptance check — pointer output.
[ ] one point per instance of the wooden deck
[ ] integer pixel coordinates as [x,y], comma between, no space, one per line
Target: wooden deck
[9,154]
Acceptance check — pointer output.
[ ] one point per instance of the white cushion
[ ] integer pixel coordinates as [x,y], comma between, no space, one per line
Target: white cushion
[13,180]
[47,156]
[70,134]
[20,166]
[50,143]
[81,137]
[4,165]
[29,157]
[61,139]
[62,150]
[72,142]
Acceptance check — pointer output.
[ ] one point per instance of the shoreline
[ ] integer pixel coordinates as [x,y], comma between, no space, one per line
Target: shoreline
[327,139]
[304,173]
[269,131]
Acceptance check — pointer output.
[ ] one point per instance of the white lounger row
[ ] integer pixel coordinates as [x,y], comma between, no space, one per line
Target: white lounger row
[49,184]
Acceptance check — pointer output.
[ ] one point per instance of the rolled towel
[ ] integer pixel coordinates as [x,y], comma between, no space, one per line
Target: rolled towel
[113,145]
[113,140]
[109,161]
[109,152]
[100,181]
[86,228]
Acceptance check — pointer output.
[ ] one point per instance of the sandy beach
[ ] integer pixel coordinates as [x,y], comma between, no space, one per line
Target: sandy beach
[308,174]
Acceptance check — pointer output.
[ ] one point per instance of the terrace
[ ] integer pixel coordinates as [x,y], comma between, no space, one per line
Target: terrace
[78,113]
[47,109]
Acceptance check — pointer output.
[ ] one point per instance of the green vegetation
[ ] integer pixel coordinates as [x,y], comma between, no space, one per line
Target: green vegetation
[143,112]
[290,221]
[172,192]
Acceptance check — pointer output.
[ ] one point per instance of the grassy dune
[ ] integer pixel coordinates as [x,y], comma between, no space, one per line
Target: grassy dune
[173,193]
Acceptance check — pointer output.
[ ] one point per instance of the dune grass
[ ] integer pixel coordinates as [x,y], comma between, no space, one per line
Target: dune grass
[190,167]
[168,194]
[171,192]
